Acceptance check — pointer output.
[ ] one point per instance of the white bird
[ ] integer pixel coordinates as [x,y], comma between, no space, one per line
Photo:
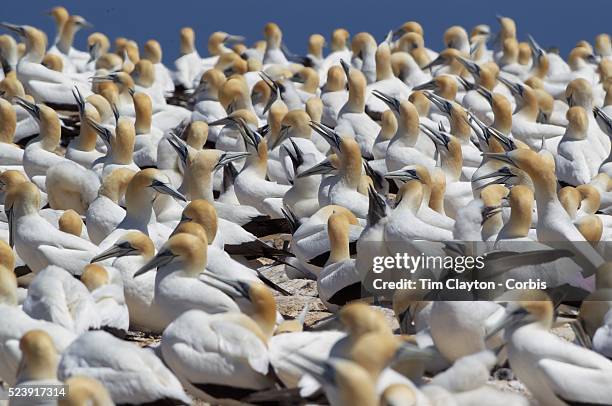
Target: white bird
[147,137]
[36,241]
[106,287]
[132,251]
[250,184]
[221,356]
[341,188]
[339,281]
[141,192]
[56,296]
[352,120]
[38,365]
[45,85]
[11,156]
[544,361]
[177,287]
[15,323]
[104,214]
[575,162]
[130,374]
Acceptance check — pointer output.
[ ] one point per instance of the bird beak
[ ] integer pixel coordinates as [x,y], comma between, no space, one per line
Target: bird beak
[78,97]
[484,92]
[322,168]
[489,212]
[228,157]
[11,224]
[602,117]
[536,50]
[283,132]
[505,321]
[250,137]
[17,29]
[403,174]
[439,138]
[163,188]
[222,121]
[163,258]
[100,79]
[503,172]
[345,66]
[443,104]
[500,156]
[327,133]
[117,250]
[31,108]
[179,146]
[409,351]
[86,24]
[431,85]
[440,60]
[390,101]
[515,88]
[234,39]
[472,67]
[232,288]
[103,132]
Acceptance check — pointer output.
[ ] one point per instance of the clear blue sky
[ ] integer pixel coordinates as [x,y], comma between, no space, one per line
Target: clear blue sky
[552,22]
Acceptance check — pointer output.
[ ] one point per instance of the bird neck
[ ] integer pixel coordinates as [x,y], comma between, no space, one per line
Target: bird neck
[8,124]
[86,141]
[356,100]
[66,37]
[339,243]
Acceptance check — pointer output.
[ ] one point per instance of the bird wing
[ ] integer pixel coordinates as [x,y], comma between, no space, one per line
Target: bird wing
[578,384]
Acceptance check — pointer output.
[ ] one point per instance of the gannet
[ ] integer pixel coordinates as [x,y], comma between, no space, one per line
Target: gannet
[56,296]
[130,374]
[106,288]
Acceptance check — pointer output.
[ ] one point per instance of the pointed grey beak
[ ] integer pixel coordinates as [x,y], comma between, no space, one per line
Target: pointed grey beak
[327,133]
[232,288]
[228,157]
[222,121]
[489,212]
[536,50]
[500,156]
[11,224]
[103,132]
[283,133]
[502,172]
[322,168]
[603,119]
[17,29]
[444,105]
[440,60]
[392,102]
[78,97]
[484,92]
[431,85]
[403,174]
[163,258]
[234,39]
[179,146]
[118,250]
[439,138]
[31,108]
[163,188]
[503,322]
[515,88]
[471,66]
[345,66]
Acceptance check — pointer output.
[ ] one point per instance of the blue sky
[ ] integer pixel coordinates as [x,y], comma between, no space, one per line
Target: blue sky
[560,23]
